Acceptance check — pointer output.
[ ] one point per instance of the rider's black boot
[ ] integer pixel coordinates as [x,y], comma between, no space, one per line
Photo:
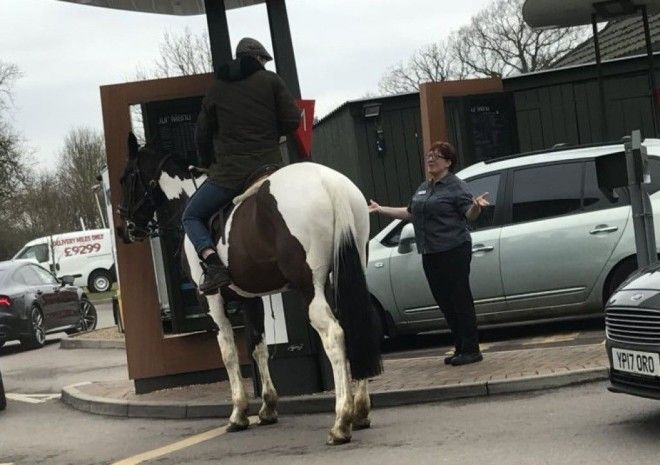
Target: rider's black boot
[216,275]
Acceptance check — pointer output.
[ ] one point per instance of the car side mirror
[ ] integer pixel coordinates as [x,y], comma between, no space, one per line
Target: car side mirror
[67,279]
[407,239]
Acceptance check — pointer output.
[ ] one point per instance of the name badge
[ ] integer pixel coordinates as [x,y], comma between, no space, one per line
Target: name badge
[421,192]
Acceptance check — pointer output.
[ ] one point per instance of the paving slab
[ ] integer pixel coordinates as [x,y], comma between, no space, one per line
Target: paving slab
[404,381]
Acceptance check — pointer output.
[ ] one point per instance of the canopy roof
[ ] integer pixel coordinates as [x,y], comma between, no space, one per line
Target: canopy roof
[564,13]
[168,7]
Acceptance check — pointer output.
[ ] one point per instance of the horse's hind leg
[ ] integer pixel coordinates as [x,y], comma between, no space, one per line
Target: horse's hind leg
[332,336]
[254,312]
[238,420]
[362,406]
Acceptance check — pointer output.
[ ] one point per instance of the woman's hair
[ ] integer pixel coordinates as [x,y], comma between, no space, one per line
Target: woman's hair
[447,150]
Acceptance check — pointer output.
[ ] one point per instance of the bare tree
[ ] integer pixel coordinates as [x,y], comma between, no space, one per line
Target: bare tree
[12,167]
[38,208]
[499,42]
[9,73]
[181,54]
[432,63]
[496,42]
[81,161]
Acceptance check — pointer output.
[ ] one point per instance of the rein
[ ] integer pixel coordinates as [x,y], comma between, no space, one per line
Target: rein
[127,210]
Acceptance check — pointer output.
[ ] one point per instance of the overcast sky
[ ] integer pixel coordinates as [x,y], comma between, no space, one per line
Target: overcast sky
[66,51]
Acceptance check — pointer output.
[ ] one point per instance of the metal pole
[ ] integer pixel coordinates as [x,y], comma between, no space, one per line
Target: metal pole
[601,86]
[280,34]
[285,62]
[640,203]
[216,19]
[96,189]
[649,54]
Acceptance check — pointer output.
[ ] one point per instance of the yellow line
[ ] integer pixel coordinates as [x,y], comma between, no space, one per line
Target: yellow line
[176,446]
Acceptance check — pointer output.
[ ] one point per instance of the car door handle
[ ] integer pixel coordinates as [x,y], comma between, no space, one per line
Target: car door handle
[603,228]
[379,265]
[482,248]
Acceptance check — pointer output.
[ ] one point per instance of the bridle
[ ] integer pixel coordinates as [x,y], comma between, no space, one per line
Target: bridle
[151,196]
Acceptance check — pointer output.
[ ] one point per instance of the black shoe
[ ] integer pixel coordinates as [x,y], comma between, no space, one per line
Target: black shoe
[465,359]
[216,275]
[450,358]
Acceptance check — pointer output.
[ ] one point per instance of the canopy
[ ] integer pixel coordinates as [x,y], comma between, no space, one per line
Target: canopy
[564,13]
[168,7]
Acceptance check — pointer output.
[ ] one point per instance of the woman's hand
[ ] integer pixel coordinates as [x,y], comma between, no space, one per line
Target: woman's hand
[477,204]
[400,213]
[481,202]
[374,207]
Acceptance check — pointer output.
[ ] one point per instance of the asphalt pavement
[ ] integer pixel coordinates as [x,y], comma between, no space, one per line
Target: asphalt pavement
[572,425]
[532,359]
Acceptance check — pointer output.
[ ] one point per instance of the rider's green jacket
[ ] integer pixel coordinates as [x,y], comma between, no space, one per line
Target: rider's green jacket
[243,115]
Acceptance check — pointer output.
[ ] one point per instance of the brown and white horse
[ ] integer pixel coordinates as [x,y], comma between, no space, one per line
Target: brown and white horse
[288,231]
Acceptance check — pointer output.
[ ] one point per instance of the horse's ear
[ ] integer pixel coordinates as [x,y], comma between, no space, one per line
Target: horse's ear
[133,146]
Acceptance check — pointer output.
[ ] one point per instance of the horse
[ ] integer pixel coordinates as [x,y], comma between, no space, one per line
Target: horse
[290,230]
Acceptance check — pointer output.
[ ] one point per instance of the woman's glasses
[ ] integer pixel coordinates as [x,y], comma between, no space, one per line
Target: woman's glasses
[434,156]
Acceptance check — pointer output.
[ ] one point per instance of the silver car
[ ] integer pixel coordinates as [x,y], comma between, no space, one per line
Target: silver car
[551,246]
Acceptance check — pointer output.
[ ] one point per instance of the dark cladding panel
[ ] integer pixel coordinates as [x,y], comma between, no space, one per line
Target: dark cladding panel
[379,149]
[528,117]
[587,107]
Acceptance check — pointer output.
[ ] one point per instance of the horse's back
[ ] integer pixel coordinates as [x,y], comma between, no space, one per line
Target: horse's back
[308,196]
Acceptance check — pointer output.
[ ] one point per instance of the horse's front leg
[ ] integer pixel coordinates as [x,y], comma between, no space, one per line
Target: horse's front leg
[332,336]
[254,312]
[238,420]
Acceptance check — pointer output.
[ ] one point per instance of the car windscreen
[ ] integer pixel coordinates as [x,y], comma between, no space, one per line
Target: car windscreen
[38,252]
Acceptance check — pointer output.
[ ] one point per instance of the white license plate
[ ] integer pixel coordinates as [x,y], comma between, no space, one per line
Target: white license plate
[634,361]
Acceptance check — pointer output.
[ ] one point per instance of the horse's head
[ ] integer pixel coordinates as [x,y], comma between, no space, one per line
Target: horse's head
[141,194]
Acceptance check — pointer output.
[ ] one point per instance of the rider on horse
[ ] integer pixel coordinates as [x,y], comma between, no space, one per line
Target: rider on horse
[243,116]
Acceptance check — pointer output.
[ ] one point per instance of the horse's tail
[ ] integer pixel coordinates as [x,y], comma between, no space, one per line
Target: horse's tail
[358,319]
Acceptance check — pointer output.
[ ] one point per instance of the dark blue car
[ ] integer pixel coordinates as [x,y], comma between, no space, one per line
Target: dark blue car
[34,303]
[632,328]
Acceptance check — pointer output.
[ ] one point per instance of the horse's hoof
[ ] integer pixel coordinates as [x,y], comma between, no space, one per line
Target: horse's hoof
[267,421]
[362,423]
[235,427]
[334,440]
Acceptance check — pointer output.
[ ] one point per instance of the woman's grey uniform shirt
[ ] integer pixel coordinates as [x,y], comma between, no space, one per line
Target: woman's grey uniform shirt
[438,214]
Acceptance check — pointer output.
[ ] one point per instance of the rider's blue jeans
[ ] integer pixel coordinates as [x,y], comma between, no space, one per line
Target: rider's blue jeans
[207,200]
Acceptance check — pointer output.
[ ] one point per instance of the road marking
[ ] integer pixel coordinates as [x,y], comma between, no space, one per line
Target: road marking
[177,446]
[32,398]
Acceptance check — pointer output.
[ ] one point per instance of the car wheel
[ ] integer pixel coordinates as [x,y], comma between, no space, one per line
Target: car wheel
[100,281]
[387,322]
[618,276]
[3,399]
[88,317]
[37,337]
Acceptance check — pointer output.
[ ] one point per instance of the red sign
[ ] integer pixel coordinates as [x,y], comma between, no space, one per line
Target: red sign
[303,134]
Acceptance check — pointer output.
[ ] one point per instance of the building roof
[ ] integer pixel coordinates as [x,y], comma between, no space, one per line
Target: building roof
[567,13]
[374,99]
[620,38]
[168,7]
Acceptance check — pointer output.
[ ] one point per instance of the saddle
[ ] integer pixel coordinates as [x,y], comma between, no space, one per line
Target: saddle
[216,223]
